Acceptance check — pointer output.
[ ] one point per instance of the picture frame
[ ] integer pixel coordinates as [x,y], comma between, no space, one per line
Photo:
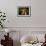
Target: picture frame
[24,11]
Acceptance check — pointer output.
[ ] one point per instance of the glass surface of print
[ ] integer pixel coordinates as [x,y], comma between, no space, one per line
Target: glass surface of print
[24,11]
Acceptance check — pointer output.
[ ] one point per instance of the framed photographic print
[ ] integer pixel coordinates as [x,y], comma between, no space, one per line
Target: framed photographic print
[24,11]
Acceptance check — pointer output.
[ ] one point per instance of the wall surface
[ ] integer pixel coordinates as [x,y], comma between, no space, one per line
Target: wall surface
[38,13]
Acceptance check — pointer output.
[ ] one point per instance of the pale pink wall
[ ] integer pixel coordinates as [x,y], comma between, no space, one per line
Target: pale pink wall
[38,11]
